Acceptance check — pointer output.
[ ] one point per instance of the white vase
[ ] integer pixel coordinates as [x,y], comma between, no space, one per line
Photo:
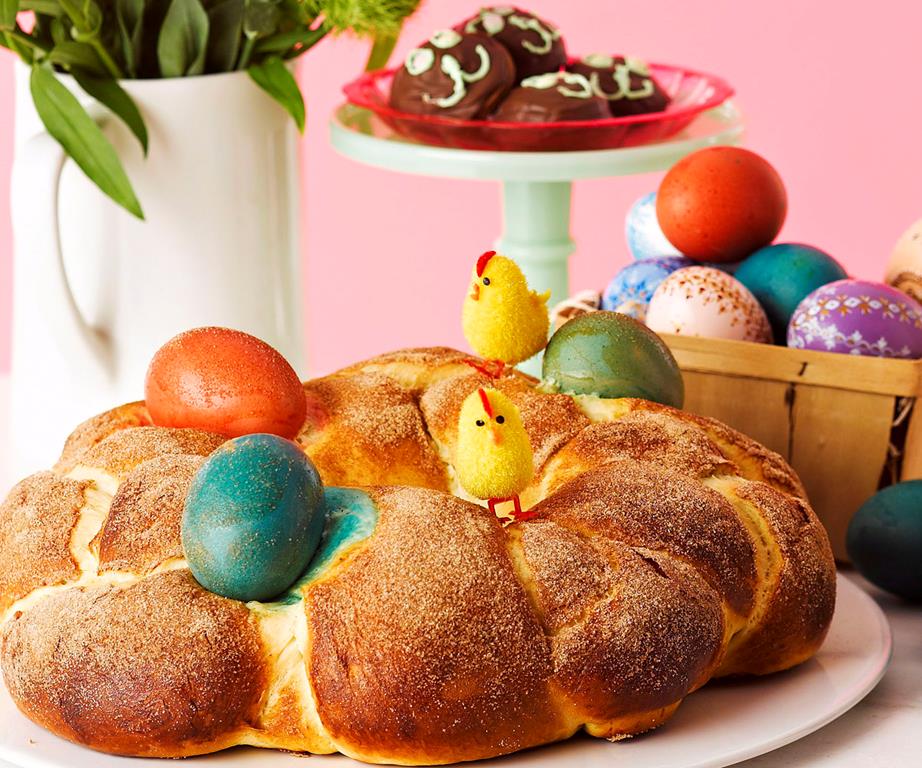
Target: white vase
[96,291]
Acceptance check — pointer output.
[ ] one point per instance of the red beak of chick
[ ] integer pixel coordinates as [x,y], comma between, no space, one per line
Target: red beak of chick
[497,436]
[475,291]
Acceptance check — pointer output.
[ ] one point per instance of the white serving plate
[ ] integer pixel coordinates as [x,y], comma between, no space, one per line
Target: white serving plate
[722,724]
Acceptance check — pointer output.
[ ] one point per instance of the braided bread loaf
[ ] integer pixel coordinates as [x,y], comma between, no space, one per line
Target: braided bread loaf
[667,549]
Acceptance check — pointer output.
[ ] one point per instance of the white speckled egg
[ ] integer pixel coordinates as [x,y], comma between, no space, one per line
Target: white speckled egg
[904,270]
[703,301]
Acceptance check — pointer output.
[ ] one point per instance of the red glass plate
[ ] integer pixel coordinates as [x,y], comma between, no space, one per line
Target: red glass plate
[692,93]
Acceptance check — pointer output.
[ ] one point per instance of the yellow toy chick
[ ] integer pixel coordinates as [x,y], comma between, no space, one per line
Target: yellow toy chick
[494,459]
[502,319]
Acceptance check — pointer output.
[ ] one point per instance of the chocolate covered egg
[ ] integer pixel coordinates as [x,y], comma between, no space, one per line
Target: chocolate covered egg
[645,239]
[630,290]
[704,301]
[904,270]
[858,317]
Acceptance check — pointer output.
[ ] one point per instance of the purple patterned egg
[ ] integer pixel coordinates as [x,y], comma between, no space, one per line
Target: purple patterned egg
[858,317]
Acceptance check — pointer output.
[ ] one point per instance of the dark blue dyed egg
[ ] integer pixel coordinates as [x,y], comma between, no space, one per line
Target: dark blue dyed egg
[253,517]
[781,276]
[884,539]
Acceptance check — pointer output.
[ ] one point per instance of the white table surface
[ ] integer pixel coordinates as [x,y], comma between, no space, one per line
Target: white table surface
[883,731]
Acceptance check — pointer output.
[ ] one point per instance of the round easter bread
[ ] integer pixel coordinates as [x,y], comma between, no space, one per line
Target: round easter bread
[667,549]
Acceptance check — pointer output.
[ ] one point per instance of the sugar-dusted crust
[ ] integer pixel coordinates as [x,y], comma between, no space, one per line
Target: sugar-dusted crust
[158,668]
[667,549]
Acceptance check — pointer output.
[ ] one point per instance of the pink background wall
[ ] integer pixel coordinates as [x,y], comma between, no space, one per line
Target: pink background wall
[830,97]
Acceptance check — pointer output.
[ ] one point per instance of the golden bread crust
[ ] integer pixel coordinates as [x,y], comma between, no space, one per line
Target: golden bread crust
[365,429]
[666,549]
[430,614]
[36,523]
[142,530]
[158,668]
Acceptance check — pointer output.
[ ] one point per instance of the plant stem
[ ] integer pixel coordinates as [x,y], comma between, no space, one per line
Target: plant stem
[246,53]
[107,61]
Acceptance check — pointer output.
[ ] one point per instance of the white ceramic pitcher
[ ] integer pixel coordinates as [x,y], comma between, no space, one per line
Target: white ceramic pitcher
[97,291]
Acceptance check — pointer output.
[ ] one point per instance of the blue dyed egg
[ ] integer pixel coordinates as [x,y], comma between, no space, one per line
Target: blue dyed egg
[884,539]
[645,239]
[253,517]
[630,290]
[781,276]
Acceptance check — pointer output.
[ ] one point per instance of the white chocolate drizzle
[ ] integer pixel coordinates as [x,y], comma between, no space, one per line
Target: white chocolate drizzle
[562,81]
[459,78]
[443,39]
[493,21]
[419,61]
[622,77]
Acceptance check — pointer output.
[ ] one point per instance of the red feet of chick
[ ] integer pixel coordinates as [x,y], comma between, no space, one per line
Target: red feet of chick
[508,518]
[492,369]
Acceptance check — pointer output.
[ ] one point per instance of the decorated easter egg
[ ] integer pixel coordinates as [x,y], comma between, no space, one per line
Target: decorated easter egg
[721,204]
[884,539]
[704,301]
[904,270]
[253,517]
[608,354]
[645,239]
[630,290]
[224,381]
[781,276]
[858,317]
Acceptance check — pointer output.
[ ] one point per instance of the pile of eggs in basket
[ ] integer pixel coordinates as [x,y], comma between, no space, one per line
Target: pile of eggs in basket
[706,265]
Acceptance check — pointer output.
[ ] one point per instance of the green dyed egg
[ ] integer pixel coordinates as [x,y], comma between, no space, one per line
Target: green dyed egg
[884,539]
[612,355]
[253,518]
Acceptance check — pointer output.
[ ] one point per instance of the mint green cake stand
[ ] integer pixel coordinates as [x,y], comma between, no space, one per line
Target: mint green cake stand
[536,186]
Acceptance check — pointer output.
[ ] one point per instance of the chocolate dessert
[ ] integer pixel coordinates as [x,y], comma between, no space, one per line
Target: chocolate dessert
[552,97]
[625,82]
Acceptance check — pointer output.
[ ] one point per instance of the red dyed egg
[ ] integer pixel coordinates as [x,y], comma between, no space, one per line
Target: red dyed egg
[721,204]
[224,381]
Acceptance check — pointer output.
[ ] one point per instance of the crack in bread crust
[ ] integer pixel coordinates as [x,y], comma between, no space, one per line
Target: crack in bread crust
[667,549]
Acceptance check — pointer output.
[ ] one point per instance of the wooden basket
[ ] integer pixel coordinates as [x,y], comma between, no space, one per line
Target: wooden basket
[846,423]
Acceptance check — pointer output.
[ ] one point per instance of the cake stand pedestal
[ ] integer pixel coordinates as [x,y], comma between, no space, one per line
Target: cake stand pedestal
[536,186]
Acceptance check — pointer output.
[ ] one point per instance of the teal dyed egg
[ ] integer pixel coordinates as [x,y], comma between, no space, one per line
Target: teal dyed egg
[253,518]
[612,355]
[884,539]
[781,276]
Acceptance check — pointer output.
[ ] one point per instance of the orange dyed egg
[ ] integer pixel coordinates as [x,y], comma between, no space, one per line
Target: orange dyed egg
[224,381]
[721,204]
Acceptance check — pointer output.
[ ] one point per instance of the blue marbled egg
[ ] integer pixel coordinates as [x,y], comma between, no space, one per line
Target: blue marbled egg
[630,290]
[645,239]
[781,276]
[884,539]
[253,517]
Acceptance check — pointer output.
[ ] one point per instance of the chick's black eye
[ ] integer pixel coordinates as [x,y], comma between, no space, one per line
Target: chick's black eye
[500,419]
[479,422]
[486,281]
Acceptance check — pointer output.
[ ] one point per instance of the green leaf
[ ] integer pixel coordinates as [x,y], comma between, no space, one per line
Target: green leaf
[81,138]
[130,16]
[110,93]
[183,39]
[225,24]
[283,42]
[276,79]
[44,7]
[72,56]
[8,11]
